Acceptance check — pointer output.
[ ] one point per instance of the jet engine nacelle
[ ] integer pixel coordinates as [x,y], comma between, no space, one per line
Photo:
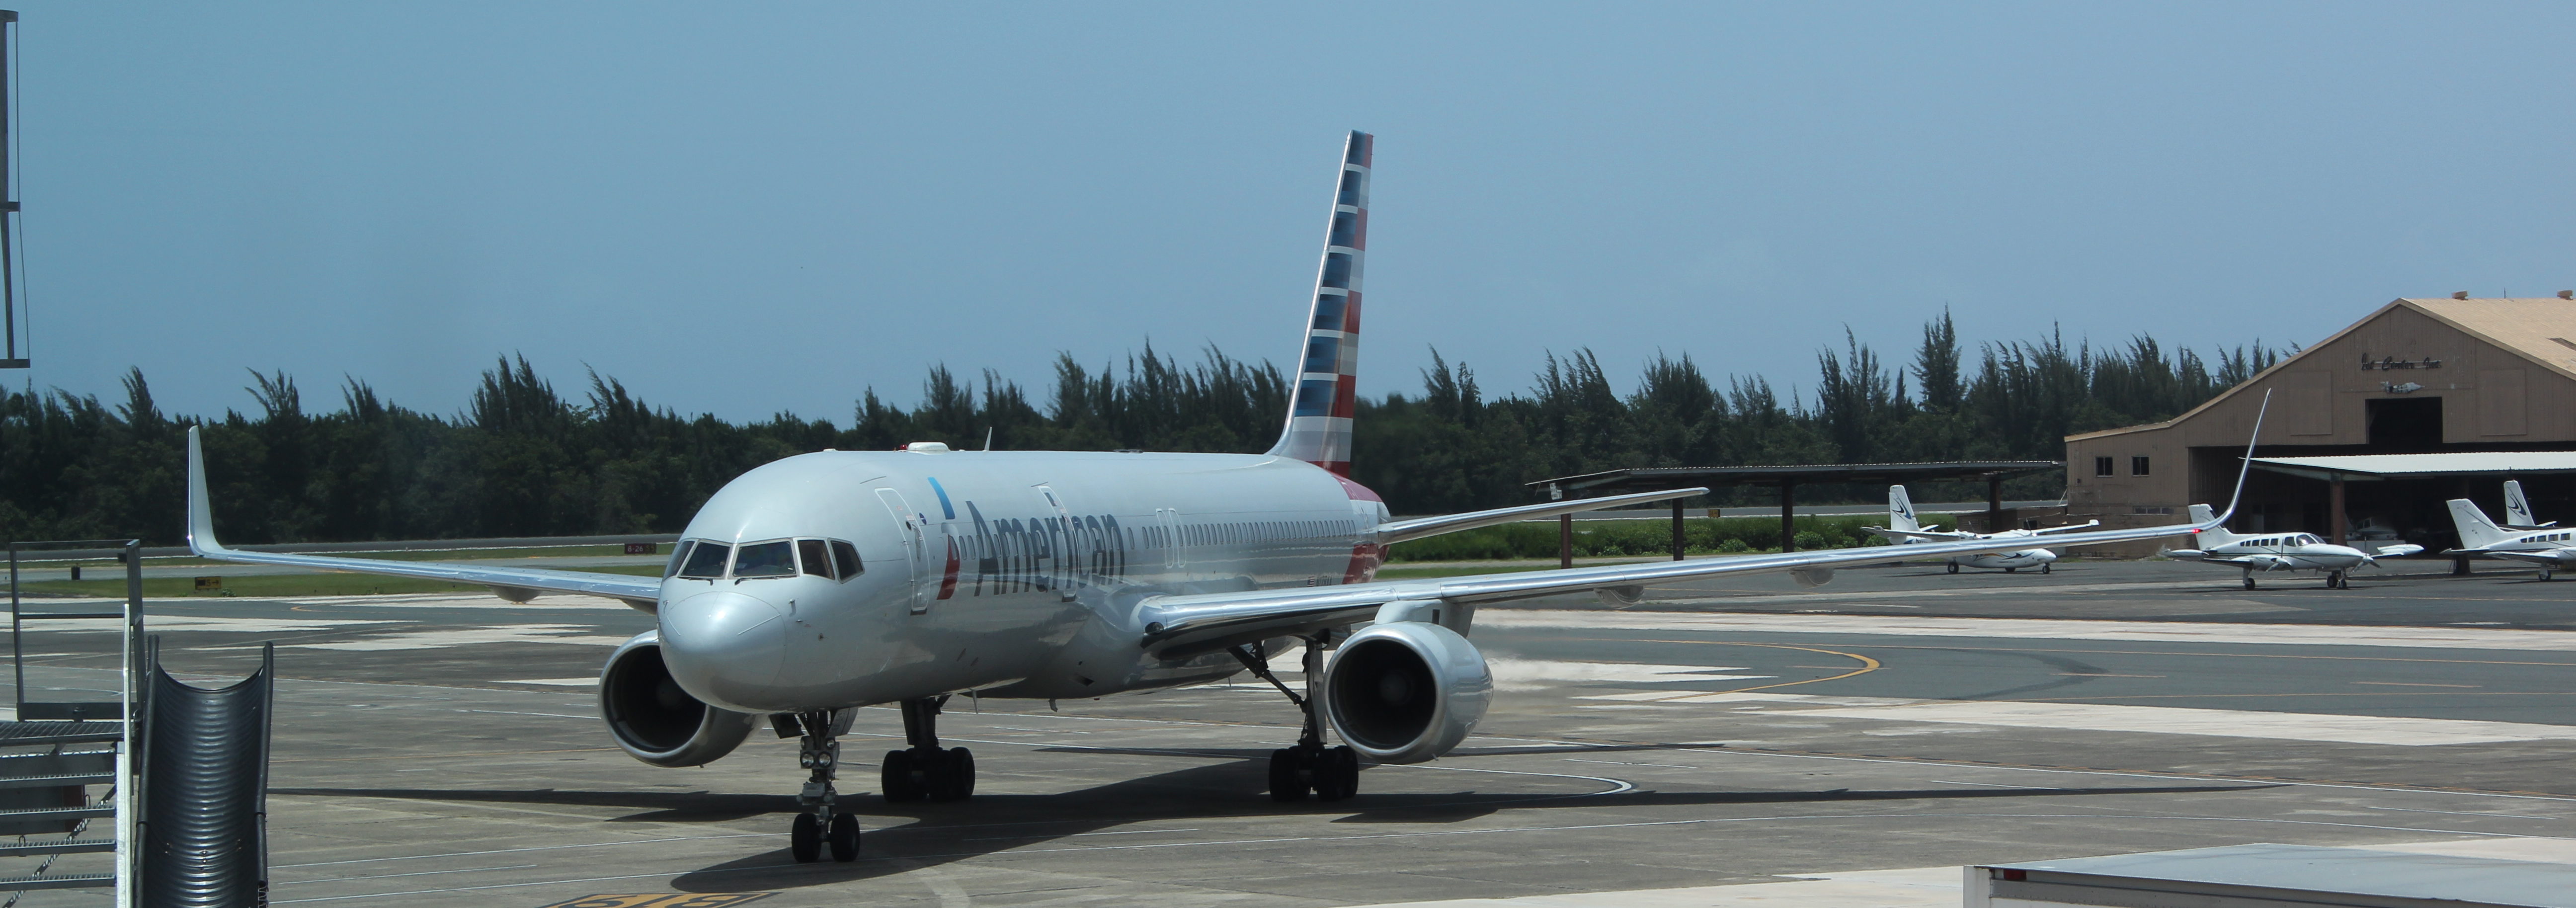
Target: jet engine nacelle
[1406,691]
[653,719]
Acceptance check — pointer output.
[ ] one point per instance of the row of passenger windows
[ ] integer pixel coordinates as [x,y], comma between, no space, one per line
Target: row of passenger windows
[697,559]
[1249,531]
[2298,539]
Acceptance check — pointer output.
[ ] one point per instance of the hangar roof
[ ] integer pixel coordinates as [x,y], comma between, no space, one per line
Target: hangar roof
[2417,466]
[1668,477]
[2540,329]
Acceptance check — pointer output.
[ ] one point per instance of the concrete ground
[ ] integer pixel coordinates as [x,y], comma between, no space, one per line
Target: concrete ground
[1737,742]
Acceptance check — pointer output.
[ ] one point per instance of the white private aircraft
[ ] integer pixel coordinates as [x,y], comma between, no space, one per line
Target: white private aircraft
[1903,529]
[2548,548]
[824,582]
[2269,552]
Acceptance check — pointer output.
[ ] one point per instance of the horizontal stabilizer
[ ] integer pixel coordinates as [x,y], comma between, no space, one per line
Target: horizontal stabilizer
[1401,530]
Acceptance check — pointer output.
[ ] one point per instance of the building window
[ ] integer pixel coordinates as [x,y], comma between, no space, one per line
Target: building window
[2102,466]
[2137,466]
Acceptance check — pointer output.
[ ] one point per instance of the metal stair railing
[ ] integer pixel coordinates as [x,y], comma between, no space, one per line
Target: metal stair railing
[55,752]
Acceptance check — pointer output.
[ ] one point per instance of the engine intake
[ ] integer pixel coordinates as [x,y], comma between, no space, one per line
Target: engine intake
[654,720]
[1407,691]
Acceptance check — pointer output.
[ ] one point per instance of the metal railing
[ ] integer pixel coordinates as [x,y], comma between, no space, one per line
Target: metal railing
[39,789]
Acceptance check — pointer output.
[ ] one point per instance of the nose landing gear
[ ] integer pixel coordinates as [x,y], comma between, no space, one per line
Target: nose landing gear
[1332,773]
[819,751]
[2336,580]
[926,771]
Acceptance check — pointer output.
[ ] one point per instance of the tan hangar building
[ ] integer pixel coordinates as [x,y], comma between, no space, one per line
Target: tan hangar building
[2417,376]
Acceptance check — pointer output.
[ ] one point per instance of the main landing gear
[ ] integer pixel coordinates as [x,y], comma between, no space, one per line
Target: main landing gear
[2249,578]
[926,771]
[819,750]
[1954,567]
[1332,773]
[2544,574]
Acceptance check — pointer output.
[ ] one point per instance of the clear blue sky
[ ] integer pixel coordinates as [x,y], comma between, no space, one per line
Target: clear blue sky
[746,209]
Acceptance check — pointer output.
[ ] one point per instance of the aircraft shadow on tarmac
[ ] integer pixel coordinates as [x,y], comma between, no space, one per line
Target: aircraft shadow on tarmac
[990,823]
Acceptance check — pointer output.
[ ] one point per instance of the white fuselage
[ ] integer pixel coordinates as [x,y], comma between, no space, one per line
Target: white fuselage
[1011,574]
[2547,544]
[2287,551]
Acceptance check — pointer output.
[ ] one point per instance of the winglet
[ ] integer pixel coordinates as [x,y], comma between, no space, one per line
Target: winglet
[2248,465]
[201,514]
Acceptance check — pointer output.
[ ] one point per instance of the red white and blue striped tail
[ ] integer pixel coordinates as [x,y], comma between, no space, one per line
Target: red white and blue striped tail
[1319,413]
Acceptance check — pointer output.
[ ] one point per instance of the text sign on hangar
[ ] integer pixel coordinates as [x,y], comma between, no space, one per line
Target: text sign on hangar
[2390,362]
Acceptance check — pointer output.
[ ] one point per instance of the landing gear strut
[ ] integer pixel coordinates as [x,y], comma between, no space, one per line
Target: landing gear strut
[926,771]
[1332,773]
[2249,578]
[819,750]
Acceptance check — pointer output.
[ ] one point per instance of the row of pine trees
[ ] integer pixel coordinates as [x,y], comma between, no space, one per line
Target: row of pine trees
[526,459]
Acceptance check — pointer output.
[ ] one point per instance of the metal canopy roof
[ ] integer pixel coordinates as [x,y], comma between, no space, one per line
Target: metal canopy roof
[2421,466]
[1660,477]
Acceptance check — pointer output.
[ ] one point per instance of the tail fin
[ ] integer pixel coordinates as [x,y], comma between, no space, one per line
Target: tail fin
[2517,509]
[1319,409]
[2214,536]
[2476,531]
[1900,510]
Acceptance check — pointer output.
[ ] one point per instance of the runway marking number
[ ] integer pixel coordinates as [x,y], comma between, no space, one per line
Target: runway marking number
[663,900]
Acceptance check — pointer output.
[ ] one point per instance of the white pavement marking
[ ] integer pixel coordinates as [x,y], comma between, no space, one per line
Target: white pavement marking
[2045,628]
[585,681]
[1924,887]
[504,633]
[1532,674]
[451,600]
[2230,723]
[183,622]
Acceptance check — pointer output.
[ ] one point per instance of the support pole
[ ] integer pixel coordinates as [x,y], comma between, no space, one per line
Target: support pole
[1788,516]
[2334,502]
[1564,540]
[1995,503]
[1678,539]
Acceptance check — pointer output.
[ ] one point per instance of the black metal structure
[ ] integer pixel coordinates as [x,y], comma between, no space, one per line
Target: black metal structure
[1787,478]
[204,835]
[9,301]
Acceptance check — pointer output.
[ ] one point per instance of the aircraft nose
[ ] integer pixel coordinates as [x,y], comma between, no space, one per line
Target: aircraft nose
[725,648]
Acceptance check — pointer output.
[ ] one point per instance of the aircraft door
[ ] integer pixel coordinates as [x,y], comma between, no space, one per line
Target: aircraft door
[916,550]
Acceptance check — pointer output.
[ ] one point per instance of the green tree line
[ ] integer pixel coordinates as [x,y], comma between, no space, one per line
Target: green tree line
[526,459]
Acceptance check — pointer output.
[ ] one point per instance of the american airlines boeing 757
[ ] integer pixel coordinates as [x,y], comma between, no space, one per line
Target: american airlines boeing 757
[828,581]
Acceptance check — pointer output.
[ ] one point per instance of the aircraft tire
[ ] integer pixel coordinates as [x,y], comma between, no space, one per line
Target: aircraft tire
[2544,575]
[955,779]
[2044,568]
[2010,570]
[1337,774]
[844,838]
[1954,568]
[1286,784]
[896,778]
[2249,583]
[805,839]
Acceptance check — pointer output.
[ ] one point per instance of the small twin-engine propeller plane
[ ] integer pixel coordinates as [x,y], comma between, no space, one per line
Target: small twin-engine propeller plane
[2269,552]
[824,582]
[2548,548]
[1903,529]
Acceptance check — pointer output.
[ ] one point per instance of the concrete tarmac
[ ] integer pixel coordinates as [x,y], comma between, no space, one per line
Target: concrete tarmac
[1783,746]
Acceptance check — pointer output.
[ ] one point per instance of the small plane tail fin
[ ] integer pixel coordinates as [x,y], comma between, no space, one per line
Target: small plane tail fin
[2214,536]
[1324,393]
[1900,509]
[2476,531]
[2517,507]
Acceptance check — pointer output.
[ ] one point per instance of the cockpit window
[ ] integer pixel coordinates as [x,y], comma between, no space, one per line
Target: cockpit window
[707,561]
[846,557]
[817,560]
[679,556]
[2304,539]
[765,559]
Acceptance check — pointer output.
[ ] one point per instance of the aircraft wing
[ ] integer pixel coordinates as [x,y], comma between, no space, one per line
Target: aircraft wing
[1400,530]
[2553,556]
[1182,625]
[516,584]
[2069,528]
[1920,534]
